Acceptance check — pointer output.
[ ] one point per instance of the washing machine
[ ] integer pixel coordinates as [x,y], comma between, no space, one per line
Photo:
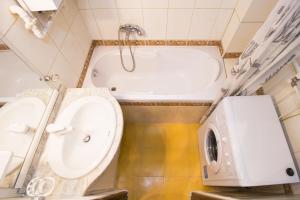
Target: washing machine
[243,144]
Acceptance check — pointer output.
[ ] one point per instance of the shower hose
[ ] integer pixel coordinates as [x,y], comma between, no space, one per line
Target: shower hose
[130,49]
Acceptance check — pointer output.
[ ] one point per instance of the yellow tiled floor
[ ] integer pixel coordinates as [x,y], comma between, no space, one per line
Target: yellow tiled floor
[159,161]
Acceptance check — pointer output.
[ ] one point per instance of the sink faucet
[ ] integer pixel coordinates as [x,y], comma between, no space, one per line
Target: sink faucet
[129,28]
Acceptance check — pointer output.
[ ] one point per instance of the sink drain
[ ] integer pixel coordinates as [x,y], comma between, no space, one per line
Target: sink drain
[87,138]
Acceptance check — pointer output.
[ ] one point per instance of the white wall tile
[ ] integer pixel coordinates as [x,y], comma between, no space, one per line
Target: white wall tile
[230,30]
[62,51]
[79,30]
[90,21]
[102,4]
[245,33]
[214,19]
[83,4]
[108,22]
[131,16]
[59,29]
[129,3]
[281,89]
[254,10]
[238,35]
[155,23]
[41,53]
[288,102]
[208,3]
[242,7]
[155,3]
[181,4]
[65,71]
[69,10]
[297,157]
[73,53]
[7,19]
[202,23]
[229,3]
[223,18]
[179,21]
[292,128]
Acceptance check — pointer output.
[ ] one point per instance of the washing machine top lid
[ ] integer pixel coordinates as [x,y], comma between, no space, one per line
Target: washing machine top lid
[260,151]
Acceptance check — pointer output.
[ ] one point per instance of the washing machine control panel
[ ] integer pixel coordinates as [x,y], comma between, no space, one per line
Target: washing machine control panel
[227,168]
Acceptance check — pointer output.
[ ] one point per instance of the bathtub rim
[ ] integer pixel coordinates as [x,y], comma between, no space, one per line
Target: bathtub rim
[212,51]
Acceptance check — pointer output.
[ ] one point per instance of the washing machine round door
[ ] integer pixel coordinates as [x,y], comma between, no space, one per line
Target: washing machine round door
[212,148]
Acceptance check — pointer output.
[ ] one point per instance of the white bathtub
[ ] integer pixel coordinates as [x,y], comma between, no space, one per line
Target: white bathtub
[163,73]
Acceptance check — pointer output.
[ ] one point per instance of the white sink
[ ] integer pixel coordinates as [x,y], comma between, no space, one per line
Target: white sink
[18,120]
[90,128]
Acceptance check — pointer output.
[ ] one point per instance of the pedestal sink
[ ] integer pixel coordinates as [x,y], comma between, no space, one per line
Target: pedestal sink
[82,136]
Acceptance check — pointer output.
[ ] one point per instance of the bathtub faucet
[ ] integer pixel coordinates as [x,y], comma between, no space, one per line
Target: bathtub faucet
[129,28]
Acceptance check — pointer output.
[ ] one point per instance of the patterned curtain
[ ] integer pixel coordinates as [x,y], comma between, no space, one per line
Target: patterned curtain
[276,44]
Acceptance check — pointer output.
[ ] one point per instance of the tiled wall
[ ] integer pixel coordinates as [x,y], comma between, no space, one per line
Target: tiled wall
[287,101]
[161,19]
[62,51]
[163,114]
[247,17]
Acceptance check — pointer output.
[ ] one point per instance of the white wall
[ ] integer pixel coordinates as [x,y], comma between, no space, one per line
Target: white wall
[62,51]
[247,18]
[287,101]
[161,19]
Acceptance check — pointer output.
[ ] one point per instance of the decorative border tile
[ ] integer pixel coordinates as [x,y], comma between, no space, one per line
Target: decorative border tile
[221,49]
[155,42]
[108,43]
[176,42]
[87,62]
[4,47]
[161,43]
[260,91]
[232,54]
[165,103]
[136,42]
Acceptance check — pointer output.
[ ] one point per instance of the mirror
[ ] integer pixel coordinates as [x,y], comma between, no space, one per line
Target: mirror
[23,101]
